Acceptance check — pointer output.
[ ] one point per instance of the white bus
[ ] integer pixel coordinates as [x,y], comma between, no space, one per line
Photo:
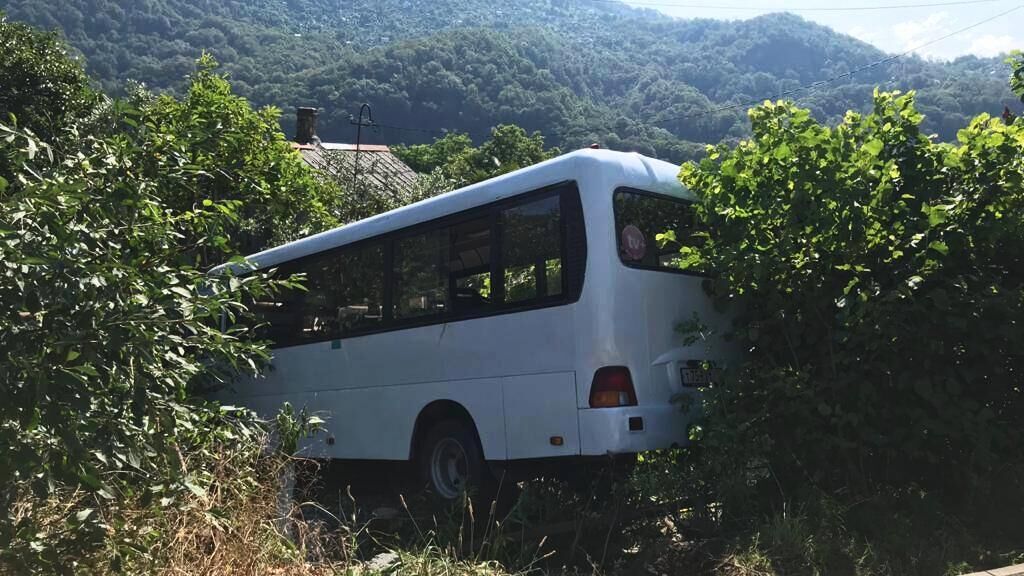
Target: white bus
[530,317]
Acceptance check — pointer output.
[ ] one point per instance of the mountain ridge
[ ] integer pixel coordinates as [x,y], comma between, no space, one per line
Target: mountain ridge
[577,71]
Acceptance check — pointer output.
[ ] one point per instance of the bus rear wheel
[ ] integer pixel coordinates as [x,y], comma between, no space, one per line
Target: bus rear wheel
[452,464]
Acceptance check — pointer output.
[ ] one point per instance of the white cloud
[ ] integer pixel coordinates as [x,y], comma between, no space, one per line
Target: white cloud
[910,34]
[862,33]
[992,45]
[897,31]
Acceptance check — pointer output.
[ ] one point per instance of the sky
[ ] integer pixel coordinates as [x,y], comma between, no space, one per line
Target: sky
[894,30]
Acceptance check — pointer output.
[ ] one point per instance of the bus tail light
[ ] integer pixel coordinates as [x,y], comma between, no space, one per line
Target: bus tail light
[612,387]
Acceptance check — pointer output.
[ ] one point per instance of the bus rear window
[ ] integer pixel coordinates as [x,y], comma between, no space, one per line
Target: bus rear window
[657,232]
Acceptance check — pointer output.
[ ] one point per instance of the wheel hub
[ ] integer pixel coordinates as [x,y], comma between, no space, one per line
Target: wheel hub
[449,470]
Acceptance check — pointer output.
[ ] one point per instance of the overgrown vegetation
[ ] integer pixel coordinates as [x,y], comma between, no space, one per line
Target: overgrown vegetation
[111,461]
[454,162]
[1016,61]
[109,321]
[878,282]
[231,154]
[876,276]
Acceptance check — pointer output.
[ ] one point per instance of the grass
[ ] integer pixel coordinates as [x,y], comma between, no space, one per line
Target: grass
[238,524]
[882,537]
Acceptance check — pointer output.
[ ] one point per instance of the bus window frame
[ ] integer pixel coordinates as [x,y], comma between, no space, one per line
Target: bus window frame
[618,233]
[569,294]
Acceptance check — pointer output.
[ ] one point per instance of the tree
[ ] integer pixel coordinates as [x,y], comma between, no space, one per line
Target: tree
[110,323]
[454,162]
[877,279]
[510,148]
[44,90]
[233,153]
[1016,62]
[425,158]
[104,331]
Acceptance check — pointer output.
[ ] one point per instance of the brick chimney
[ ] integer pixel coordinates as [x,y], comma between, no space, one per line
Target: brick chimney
[305,125]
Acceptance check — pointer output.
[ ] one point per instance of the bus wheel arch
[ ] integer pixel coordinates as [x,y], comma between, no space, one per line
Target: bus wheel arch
[433,414]
[447,451]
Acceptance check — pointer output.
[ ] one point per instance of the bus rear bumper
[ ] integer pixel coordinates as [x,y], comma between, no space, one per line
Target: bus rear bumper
[632,429]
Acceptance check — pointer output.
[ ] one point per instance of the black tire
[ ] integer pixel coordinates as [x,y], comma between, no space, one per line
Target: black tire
[451,463]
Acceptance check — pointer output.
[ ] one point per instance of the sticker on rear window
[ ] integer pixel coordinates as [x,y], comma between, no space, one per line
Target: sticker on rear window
[634,245]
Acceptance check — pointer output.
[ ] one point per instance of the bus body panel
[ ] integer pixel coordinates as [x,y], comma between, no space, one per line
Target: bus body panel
[605,431]
[538,409]
[376,423]
[481,360]
[531,342]
[643,332]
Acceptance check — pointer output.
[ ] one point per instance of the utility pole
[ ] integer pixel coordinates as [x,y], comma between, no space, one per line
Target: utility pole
[359,134]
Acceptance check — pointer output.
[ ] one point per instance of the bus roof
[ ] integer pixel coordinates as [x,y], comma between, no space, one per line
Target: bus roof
[621,169]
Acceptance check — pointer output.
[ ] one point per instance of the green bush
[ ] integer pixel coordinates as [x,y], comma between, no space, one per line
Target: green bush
[109,323]
[454,162]
[104,330]
[43,88]
[1016,62]
[877,279]
[228,151]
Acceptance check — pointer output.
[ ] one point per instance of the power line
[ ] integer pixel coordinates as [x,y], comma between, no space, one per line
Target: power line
[837,77]
[410,129]
[798,9]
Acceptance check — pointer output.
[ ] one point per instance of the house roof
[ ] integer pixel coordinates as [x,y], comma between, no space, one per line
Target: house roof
[377,165]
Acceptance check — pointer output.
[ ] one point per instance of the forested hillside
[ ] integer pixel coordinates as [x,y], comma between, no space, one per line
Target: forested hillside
[580,71]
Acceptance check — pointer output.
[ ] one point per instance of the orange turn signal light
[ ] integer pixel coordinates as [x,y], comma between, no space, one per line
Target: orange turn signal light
[557,441]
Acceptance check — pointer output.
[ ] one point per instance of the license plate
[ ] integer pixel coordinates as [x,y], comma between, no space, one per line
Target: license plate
[699,376]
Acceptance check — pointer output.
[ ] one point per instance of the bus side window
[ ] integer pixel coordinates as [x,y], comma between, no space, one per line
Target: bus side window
[319,316]
[531,250]
[469,266]
[419,276]
[360,288]
[669,226]
[279,317]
